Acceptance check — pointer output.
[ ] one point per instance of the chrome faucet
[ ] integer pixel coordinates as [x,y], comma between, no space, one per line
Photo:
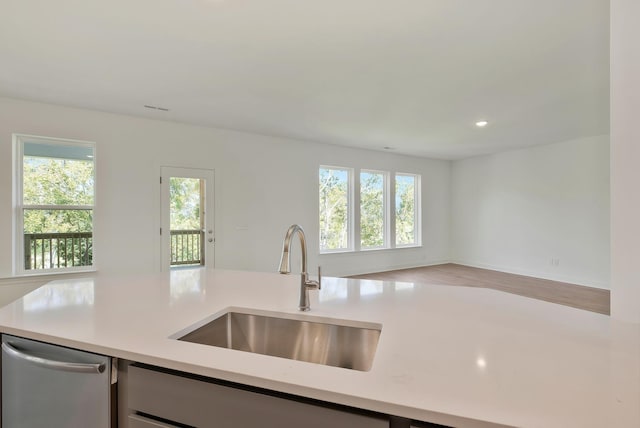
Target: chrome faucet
[305,283]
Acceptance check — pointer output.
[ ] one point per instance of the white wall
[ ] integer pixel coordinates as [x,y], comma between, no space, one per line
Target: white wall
[515,211]
[625,160]
[512,211]
[263,185]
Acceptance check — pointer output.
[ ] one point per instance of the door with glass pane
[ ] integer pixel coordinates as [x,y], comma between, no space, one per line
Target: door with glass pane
[187,231]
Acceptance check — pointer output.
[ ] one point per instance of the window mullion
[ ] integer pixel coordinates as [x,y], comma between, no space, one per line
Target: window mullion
[18,220]
[355,209]
[57,207]
[417,211]
[392,210]
[386,239]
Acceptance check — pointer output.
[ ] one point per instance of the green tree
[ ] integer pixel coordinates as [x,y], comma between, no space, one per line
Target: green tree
[185,201]
[405,210]
[57,182]
[371,209]
[58,197]
[184,196]
[333,208]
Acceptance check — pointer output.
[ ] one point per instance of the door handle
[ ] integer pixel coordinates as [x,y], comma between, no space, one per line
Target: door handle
[53,364]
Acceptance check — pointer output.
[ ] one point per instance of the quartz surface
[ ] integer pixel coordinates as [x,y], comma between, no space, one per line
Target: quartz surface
[465,357]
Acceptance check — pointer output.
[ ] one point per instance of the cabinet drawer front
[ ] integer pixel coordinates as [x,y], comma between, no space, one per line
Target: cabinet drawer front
[203,404]
[137,421]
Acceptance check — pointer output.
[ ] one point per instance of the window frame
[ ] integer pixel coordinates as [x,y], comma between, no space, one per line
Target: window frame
[350,210]
[19,206]
[354,237]
[417,212]
[386,214]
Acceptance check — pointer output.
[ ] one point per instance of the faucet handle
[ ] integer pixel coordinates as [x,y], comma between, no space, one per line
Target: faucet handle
[319,278]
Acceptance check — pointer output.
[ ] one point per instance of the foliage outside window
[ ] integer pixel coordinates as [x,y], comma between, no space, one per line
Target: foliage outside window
[334,186]
[55,199]
[372,209]
[377,210]
[405,211]
[185,201]
[186,220]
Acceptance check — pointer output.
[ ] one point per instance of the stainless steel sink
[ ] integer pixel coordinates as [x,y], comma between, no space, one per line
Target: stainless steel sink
[344,344]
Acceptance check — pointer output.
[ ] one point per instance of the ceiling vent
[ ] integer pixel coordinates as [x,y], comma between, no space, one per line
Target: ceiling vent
[155,108]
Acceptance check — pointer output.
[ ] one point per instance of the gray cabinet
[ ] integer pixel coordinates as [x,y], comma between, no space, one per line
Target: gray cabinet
[137,421]
[202,403]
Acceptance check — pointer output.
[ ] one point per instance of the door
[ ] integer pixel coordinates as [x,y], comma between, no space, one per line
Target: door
[187,217]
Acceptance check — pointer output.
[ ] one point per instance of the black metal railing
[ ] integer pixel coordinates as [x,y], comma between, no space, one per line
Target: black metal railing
[61,250]
[187,247]
[57,250]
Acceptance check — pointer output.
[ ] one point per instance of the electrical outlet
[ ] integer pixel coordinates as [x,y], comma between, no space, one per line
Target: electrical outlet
[555,262]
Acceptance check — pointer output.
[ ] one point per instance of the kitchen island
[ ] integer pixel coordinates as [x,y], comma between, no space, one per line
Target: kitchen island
[456,356]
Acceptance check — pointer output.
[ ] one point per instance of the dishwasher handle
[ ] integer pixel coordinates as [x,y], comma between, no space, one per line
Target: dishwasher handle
[53,364]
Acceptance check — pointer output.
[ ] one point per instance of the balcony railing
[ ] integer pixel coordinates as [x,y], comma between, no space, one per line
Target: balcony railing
[62,250]
[187,247]
[57,250]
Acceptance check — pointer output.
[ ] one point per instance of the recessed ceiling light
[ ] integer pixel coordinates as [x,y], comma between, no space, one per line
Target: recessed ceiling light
[481,123]
[481,362]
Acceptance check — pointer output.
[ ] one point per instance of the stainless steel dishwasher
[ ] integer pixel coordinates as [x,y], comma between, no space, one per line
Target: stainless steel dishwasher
[44,385]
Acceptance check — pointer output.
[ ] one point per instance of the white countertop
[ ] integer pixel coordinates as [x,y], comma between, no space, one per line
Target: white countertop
[459,356]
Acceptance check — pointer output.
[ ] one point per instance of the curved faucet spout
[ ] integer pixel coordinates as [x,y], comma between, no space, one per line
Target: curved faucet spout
[285,261]
[305,283]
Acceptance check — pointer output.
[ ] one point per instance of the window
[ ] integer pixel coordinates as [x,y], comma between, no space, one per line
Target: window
[335,205]
[386,215]
[187,221]
[406,209]
[373,201]
[55,197]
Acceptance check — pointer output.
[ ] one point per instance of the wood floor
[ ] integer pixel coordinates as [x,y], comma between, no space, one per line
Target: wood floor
[576,296]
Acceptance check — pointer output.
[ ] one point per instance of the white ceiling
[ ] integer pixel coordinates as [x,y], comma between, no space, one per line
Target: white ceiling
[410,74]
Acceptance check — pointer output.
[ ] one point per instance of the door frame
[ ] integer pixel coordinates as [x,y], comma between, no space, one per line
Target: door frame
[208,175]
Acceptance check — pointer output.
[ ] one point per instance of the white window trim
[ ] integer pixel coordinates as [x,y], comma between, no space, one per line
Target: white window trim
[353,211]
[351,214]
[417,214]
[386,238]
[18,206]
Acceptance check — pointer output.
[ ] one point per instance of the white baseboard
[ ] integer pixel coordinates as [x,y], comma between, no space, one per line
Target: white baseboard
[561,278]
[351,272]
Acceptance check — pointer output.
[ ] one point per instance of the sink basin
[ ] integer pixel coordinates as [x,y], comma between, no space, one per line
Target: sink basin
[338,343]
